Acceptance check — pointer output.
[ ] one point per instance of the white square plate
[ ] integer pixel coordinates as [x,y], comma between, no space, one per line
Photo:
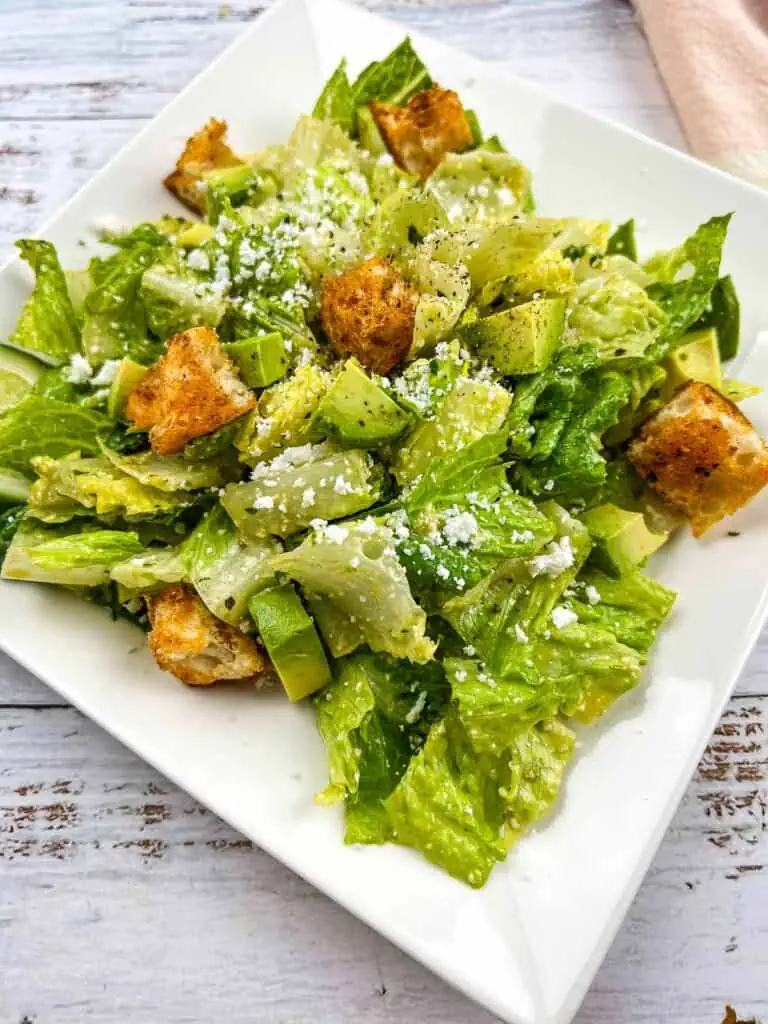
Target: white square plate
[529,944]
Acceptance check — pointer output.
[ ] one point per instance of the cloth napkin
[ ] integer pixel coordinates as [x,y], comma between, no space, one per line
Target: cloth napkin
[713,56]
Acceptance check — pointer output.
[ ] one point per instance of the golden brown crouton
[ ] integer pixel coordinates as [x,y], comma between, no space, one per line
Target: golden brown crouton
[419,134]
[206,150]
[187,641]
[369,312]
[192,390]
[702,455]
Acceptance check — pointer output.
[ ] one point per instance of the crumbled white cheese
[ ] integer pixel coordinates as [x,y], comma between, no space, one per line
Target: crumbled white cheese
[106,373]
[459,527]
[308,497]
[469,650]
[563,617]
[335,534]
[522,636]
[198,260]
[442,572]
[342,486]
[79,370]
[557,557]
[264,501]
[417,708]
[593,594]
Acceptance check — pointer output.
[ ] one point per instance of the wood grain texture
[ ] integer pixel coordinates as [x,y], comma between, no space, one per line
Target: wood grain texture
[105,856]
[121,898]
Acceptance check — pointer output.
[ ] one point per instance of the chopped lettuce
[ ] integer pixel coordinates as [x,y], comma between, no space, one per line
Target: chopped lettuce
[45,426]
[115,321]
[394,79]
[685,278]
[71,487]
[480,186]
[336,102]
[82,559]
[149,571]
[47,325]
[176,297]
[224,568]
[282,416]
[356,567]
[473,408]
[617,316]
[172,473]
[516,600]
[301,485]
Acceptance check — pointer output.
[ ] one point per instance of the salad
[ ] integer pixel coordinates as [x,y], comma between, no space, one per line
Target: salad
[364,422]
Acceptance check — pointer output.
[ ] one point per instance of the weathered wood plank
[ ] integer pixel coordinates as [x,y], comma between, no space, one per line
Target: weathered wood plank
[127,58]
[107,854]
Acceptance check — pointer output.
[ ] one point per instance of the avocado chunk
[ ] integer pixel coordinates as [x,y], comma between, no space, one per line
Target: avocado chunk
[194,235]
[698,359]
[521,339]
[291,640]
[262,359]
[128,377]
[234,181]
[358,412]
[622,539]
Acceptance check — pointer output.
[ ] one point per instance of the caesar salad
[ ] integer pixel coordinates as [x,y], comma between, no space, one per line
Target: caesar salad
[365,424]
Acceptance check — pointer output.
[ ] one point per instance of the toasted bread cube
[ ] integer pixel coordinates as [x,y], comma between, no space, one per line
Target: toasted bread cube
[701,454]
[192,390]
[206,150]
[419,134]
[187,641]
[369,312]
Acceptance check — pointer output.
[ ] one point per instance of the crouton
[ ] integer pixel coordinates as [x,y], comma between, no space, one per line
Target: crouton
[192,390]
[206,150]
[369,312]
[701,455]
[187,641]
[419,134]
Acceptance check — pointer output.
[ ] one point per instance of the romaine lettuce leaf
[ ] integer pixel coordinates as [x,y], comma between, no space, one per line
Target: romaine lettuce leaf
[632,607]
[473,408]
[617,316]
[444,292]
[394,79]
[47,325]
[281,417]
[336,102]
[172,473]
[685,279]
[372,718]
[225,569]
[356,567]
[176,297]
[82,559]
[115,322]
[44,426]
[480,186]
[70,487]
[572,466]
[148,571]
[301,485]
[517,599]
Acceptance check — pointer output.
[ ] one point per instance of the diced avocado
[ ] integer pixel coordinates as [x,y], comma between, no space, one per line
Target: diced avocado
[291,640]
[622,241]
[698,359]
[368,133]
[521,339]
[194,235]
[622,539]
[128,377]
[262,359]
[357,411]
[235,181]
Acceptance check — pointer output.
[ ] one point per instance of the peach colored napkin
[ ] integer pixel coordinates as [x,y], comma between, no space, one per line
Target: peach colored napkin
[713,56]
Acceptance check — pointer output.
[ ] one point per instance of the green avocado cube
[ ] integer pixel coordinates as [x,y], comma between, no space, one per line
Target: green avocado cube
[519,340]
[128,377]
[622,540]
[358,412]
[698,359]
[262,359]
[292,642]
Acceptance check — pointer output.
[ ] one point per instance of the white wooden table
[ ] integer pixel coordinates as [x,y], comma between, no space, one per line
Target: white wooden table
[123,900]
